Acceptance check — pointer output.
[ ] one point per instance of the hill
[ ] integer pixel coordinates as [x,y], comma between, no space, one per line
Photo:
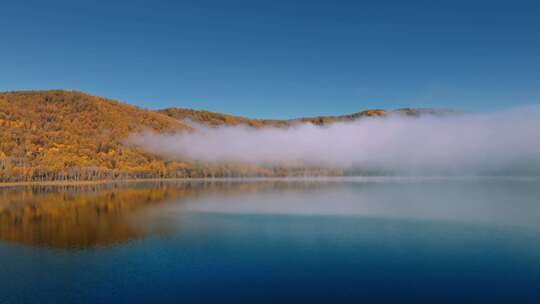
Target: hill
[67,135]
[57,135]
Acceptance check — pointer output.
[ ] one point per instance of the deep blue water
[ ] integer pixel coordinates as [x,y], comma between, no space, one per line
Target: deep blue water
[337,242]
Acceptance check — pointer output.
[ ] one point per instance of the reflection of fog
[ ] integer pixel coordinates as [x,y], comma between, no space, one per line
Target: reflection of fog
[101,215]
[501,201]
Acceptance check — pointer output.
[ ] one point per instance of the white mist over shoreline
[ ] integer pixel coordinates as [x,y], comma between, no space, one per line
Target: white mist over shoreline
[469,143]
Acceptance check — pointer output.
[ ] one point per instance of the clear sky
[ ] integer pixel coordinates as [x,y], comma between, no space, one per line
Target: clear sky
[275,58]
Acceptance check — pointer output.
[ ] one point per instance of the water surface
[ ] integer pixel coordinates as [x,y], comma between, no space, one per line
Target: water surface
[266,241]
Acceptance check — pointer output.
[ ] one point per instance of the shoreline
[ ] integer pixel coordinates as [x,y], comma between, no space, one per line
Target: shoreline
[83,183]
[180,179]
[372,178]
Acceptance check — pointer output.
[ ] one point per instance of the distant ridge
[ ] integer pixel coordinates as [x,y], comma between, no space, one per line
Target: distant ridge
[218,119]
[59,135]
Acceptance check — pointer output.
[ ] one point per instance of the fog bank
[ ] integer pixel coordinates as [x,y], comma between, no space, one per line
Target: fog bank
[465,143]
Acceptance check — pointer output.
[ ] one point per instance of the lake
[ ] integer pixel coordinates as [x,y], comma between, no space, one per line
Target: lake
[335,240]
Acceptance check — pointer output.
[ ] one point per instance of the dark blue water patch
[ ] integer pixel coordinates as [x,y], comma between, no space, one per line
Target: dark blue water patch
[222,258]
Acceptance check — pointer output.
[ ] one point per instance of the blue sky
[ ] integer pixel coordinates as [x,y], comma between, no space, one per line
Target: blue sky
[277,58]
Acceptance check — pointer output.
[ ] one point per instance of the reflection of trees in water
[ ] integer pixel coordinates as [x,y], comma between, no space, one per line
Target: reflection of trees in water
[105,214]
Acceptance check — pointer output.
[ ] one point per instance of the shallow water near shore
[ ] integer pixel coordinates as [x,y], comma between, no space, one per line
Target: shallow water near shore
[267,241]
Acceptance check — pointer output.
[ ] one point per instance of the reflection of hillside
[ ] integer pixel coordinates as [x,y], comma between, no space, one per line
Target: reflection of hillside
[101,215]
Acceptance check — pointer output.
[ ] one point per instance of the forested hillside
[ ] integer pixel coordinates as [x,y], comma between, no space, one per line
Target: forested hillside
[57,135]
[67,135]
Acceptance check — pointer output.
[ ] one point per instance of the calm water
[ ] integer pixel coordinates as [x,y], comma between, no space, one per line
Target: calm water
[270,241]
